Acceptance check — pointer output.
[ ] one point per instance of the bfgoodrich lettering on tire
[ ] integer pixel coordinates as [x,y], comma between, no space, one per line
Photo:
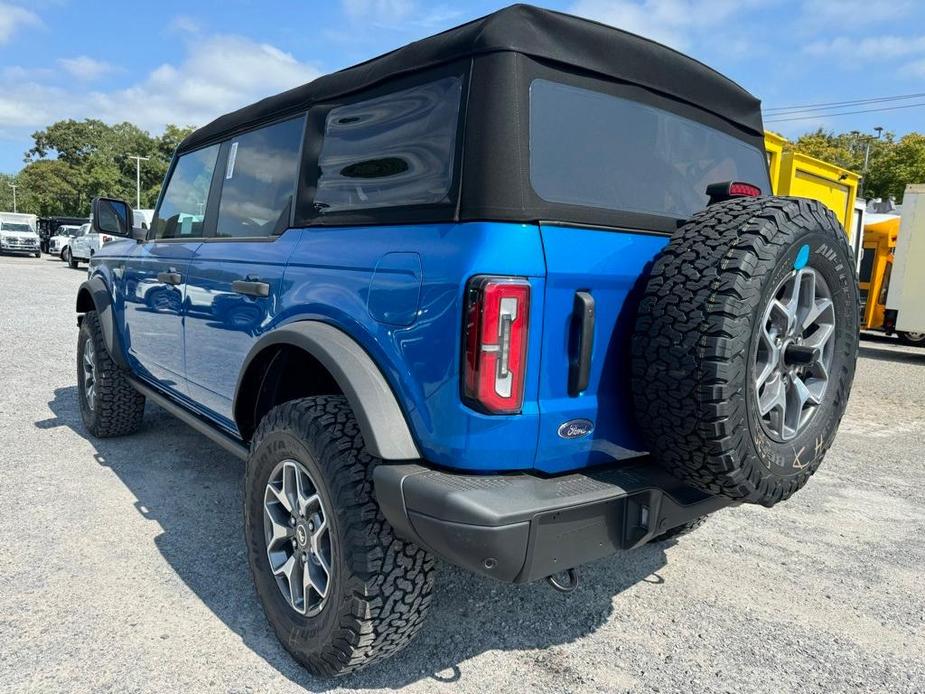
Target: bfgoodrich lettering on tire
[745,346]
[339,589]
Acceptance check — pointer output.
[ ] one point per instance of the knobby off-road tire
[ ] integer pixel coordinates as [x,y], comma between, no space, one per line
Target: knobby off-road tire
[112,407]
[698,331]
[381,586]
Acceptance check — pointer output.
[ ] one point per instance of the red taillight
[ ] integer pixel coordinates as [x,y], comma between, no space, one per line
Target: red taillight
[105,239]
[744,190]
[720,192]
[497,320]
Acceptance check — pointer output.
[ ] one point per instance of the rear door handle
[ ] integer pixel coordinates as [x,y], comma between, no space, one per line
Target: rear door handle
[251,288]
[171,277]
[579,373]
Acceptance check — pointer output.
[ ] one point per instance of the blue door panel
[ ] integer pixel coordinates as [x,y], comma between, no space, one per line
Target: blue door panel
[611,265]
[329,278]
[221,325]
[153,332]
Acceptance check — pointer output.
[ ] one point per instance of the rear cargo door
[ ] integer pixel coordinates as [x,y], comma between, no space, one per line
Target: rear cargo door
[605,269]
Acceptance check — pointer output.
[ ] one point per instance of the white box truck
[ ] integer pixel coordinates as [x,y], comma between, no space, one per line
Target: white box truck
[907,282]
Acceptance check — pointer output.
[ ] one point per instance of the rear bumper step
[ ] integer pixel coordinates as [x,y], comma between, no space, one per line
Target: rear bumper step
[522,527]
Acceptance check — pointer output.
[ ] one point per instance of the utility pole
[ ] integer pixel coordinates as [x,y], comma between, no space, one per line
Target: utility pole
[138,161]
[869,139]
[14,187]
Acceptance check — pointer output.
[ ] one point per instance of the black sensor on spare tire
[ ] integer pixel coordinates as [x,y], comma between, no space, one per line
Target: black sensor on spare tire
[745,346]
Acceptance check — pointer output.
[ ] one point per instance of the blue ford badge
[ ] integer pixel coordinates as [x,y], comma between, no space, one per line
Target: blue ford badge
[576,428]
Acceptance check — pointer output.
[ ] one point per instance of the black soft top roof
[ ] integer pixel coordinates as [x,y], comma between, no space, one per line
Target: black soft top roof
[538,33]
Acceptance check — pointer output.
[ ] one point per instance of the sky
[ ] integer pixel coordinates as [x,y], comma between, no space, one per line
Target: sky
[154,63]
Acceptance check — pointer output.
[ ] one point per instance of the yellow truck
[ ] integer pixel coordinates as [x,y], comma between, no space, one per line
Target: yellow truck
[803,176]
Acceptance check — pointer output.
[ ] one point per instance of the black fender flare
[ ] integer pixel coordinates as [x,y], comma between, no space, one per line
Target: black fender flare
[382,422]
[94,295]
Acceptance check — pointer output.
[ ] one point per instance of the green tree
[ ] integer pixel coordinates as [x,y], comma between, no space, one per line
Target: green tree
[900,164]
[94,158]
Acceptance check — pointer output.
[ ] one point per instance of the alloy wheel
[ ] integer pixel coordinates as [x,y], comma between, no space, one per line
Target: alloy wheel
[298,537]
[793,354]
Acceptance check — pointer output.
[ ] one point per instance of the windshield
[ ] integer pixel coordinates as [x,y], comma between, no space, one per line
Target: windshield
[14,226]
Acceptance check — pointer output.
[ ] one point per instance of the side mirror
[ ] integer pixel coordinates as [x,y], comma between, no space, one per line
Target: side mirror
[112,216]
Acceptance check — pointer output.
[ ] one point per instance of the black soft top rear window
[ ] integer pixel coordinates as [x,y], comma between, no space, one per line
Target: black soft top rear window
[597,150]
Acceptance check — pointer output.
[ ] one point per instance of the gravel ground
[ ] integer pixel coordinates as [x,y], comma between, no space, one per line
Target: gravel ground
[122,565]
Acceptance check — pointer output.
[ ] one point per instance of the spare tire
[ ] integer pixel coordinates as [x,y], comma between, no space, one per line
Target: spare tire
[745,345]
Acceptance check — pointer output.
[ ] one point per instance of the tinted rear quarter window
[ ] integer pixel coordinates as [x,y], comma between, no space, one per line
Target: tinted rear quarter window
[596,150]
[389,151]
[259,181]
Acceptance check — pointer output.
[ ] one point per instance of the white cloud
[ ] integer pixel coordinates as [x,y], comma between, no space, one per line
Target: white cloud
[12,18]
[672,22]
[218,74]
[868,49]
[84,67]
[184,24]
[853,14]
[389,11]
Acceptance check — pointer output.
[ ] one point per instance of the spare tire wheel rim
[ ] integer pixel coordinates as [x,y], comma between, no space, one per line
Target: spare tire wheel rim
[298,537]
[793,354]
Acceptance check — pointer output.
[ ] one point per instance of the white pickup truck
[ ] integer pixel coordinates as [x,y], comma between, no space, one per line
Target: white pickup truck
[84,245]
[18,234]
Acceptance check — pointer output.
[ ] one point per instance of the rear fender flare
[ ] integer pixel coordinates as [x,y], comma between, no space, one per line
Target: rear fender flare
[94,295]
[381,420]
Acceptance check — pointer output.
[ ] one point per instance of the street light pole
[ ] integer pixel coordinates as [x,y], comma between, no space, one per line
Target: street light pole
[138,161]
[14,187]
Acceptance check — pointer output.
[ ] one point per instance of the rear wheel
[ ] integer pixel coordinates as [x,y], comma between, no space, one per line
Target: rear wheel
[745,346]
[338,588]
[679,531]
[913,339]
[71,260]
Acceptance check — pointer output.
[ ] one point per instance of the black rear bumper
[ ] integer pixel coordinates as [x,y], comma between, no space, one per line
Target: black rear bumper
[521,527]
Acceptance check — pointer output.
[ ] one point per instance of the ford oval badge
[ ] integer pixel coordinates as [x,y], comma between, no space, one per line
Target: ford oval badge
[575,428]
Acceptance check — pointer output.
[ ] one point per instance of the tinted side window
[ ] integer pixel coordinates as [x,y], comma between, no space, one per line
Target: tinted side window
[597,150]
[183,206]
[259,181]
[393,150]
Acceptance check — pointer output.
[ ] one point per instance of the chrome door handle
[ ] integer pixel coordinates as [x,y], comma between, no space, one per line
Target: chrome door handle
[170,277]
[251,288]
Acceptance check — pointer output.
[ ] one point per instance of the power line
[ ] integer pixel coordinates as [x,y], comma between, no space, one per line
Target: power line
[854,102]
[844,113]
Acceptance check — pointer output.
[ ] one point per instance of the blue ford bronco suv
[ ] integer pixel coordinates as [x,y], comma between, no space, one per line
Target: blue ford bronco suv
[516,295]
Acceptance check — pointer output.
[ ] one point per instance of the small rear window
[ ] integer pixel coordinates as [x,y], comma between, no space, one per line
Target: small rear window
[394,150]
[597,150]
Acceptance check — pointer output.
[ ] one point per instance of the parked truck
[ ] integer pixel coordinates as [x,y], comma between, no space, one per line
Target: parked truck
[18,233]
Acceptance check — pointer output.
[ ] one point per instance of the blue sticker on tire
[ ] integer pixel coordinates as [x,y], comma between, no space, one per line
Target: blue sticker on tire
[802,257]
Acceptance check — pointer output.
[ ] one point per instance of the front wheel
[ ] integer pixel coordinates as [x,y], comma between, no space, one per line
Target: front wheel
[109,405]
[338,587]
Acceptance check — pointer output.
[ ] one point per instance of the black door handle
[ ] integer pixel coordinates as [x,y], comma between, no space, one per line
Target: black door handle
[171,277]
[579,372]
[251,288]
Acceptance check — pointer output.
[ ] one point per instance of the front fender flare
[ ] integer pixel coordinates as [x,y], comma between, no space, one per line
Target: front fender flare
[382,423]
[94,295]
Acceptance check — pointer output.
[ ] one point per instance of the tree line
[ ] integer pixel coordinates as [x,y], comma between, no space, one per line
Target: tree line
[71,162]
[892,162]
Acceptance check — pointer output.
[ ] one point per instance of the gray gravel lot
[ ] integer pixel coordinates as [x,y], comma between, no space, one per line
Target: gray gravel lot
[122,565]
